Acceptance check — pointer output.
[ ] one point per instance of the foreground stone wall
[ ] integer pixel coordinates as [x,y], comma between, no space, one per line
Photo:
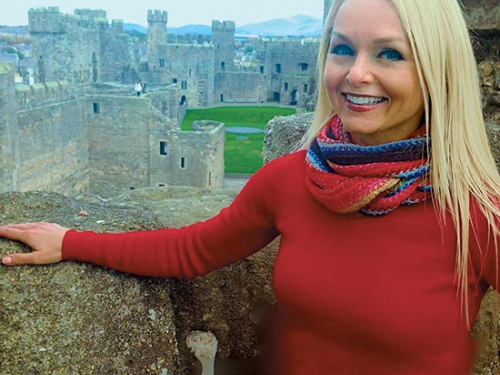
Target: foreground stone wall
[73,318]
[483,17]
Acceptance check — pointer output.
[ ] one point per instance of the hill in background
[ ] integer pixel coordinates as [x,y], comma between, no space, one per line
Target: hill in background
[295,26]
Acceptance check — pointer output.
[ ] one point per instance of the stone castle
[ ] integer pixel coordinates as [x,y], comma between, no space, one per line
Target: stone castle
[80,129]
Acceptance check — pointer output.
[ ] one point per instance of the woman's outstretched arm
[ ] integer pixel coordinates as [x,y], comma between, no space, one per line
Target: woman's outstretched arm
[45,240]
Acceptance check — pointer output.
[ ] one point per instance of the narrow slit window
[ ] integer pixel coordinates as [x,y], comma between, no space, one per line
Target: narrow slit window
[163,148]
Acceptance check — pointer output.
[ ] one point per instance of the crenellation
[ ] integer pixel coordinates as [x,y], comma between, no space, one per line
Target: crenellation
[229,26]
[46,20]
[42,94]
[92,16]
[157,16]
[87,18]
[117,25]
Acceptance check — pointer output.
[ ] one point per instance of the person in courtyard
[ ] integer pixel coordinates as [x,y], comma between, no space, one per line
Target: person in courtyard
[387,216]
[138,88]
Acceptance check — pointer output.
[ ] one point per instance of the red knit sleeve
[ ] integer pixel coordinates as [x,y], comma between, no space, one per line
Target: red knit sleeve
[483,248]
[237,231]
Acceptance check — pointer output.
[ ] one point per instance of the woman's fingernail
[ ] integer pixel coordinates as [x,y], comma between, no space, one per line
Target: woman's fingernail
[6,260]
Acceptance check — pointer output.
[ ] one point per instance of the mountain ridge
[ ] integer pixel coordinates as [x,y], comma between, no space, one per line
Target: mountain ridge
[299,25]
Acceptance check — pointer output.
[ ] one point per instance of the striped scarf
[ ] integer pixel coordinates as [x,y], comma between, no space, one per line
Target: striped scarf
[346,177]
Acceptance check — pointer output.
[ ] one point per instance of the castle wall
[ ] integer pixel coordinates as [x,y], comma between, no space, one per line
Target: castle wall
[81,48]
[118,57]
[194,158]
[9,149]
[119,144]
[291,70]
[129,135]
[52,139]
[297,90]
[191,68]
[63,46]
[240,87]
[293,57]
[166,101]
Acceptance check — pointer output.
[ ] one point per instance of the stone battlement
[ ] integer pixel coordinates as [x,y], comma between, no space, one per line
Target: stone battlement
[90,18]
[117,25]
[40,94]
[51,20]
[289,46]
[223,26]
[157,16]
[46,20]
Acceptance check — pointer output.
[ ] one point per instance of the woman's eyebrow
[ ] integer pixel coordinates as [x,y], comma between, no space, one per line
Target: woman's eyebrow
[390,39]
[341,36]
[381,40]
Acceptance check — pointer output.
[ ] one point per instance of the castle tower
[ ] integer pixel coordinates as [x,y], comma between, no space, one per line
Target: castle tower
[328,4]
[223,42]
[63,46]
[46,27]
[157,37]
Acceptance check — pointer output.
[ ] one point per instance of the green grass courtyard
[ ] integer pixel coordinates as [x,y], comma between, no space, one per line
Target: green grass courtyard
[242,152]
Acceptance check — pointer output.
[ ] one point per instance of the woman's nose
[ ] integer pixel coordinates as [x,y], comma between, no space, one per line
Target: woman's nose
[361,71]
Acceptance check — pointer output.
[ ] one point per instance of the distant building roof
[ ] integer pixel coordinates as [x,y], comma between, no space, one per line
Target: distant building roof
[246,36]
[11,58]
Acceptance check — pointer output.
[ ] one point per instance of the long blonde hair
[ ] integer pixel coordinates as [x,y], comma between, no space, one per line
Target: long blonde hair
[462,166]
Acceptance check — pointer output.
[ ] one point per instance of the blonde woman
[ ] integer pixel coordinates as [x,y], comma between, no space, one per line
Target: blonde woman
[387,217]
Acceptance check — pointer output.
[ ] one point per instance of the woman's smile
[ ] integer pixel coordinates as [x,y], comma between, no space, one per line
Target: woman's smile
[362,103]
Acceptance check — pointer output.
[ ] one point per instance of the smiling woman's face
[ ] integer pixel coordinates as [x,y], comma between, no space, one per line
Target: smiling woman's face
[370,73]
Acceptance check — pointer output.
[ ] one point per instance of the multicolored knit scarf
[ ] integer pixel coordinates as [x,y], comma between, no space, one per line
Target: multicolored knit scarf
[375,180]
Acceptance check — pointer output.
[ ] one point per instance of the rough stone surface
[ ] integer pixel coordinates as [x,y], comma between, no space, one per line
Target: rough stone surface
[81,319]
[482,14]
[283,134]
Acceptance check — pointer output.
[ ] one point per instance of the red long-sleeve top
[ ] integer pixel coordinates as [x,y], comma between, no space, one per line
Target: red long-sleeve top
[355,294]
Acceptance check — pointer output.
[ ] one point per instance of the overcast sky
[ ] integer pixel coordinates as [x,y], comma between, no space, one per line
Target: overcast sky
[180,12]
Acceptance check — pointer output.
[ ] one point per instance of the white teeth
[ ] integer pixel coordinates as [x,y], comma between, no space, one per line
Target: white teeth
[363,100]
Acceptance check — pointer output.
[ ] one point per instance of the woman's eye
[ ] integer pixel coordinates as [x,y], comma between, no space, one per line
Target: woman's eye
[391,54]
[342,50]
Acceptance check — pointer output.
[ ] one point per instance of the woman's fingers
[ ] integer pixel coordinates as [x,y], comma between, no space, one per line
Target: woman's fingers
[16,232]
[19,259]
[45,239]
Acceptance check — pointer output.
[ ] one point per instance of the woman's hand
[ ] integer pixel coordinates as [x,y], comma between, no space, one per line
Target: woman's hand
[45,239]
